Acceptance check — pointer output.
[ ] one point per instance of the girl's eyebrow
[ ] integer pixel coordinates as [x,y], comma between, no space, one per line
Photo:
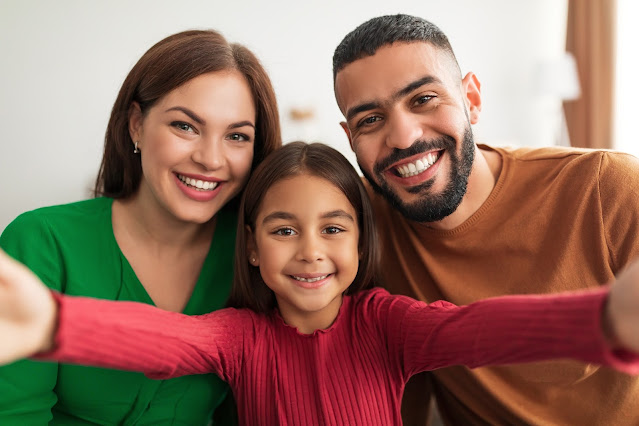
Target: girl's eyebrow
[338,213]
[288,216]
[277,215]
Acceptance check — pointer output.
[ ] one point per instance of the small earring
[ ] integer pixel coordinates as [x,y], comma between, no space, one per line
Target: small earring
[135,148]
[253,259]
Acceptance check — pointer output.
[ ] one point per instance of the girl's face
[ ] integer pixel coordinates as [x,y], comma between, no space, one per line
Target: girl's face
[196,145]
[306,246]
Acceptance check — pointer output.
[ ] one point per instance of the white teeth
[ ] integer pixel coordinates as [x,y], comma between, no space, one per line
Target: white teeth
[200,185]
[412,169]
[309,280]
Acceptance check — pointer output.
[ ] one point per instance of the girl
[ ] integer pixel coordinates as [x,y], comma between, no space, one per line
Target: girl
[193,117]
[307,342]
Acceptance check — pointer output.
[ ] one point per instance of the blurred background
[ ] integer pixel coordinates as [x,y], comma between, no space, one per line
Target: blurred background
[62,64]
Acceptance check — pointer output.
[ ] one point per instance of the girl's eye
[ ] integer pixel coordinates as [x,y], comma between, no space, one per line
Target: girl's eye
[284,232]
[332,230]
[239,137]
[185,127]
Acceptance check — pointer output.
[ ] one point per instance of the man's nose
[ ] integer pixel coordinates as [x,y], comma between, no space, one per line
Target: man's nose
[403,129]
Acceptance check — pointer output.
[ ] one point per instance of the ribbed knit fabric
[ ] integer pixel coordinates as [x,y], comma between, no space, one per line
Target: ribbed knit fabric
[352,373]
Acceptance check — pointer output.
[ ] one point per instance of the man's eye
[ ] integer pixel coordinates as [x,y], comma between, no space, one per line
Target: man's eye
[423,99]
[371,120]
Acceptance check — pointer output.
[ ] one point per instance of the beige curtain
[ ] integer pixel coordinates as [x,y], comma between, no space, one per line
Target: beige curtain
[590,38]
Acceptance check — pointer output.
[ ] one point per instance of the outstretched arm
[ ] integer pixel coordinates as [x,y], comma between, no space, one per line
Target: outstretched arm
[123,335]
[620,320]
[599,326]
[27,312]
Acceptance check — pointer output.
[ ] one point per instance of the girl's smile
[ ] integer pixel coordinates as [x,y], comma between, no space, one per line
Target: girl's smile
[306,245]
[311,280]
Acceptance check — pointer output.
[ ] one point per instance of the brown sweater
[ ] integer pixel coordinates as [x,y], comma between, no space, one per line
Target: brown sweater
[558,219]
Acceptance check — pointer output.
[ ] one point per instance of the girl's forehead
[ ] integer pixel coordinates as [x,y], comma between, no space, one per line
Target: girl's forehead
[304,194]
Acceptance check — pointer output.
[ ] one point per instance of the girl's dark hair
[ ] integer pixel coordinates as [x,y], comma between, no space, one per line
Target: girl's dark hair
[294,159]
[164,67]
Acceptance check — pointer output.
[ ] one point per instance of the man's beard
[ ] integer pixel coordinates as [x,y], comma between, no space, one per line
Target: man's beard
[430,207]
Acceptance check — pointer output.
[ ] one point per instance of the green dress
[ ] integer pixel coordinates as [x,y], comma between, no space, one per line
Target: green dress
[73,250]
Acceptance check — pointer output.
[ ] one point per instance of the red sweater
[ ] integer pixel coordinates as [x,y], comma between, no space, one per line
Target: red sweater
[352,373]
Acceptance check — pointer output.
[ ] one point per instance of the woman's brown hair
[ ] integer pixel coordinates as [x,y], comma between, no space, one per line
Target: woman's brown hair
[167,65]
[294,159]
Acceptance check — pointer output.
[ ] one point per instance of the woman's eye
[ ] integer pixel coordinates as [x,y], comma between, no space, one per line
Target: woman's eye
[185,127]
[284,232]
[333,230]
[239,137]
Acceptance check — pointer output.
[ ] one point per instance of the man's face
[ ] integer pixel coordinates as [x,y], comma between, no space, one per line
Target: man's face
[408,118]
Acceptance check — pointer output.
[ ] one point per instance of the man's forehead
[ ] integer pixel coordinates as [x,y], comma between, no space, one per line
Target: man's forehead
[389,70]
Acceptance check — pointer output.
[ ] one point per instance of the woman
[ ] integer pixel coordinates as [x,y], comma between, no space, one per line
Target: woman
[192,119]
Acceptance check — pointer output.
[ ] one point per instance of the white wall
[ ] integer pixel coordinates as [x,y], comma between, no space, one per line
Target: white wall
[62,63]
[627,90]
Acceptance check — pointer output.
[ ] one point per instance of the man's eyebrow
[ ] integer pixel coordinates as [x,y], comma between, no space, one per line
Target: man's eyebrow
[188,112]
[414,85]
[361,108]
[338,213]
[399,94]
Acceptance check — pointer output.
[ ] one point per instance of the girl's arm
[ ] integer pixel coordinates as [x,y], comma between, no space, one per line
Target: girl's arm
[600,326]
[27,388]
[122,335]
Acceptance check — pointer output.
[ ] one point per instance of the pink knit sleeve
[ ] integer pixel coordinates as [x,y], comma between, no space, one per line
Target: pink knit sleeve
[138,337]
[503,330]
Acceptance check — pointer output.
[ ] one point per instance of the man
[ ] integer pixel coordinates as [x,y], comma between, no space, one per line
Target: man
[462,222]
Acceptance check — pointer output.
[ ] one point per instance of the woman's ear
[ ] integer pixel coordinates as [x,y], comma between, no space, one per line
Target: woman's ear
[251,248]
[135,122]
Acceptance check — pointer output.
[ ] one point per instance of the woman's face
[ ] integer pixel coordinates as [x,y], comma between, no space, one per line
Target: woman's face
[196,146]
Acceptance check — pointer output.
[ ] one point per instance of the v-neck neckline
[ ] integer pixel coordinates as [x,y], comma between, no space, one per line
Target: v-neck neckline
[131,280]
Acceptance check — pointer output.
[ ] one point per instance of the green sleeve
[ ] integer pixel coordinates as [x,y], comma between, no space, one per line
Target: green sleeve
[26,387]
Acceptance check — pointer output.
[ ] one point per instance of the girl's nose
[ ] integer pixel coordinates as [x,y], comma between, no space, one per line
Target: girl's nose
[310,249]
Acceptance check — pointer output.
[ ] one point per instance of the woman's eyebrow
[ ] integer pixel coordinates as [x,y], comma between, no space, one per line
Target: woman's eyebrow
[242,124]
[188,112]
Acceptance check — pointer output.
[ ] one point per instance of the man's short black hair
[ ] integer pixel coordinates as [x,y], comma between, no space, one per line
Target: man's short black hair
[384,30]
